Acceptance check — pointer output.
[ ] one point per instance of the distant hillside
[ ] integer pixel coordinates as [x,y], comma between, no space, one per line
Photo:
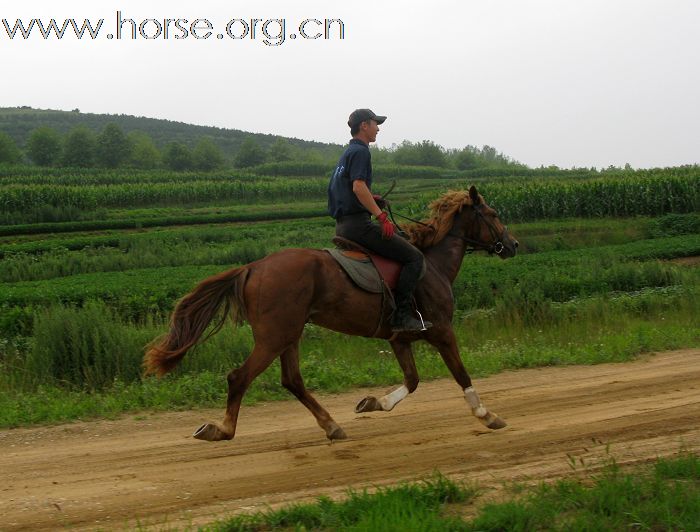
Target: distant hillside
[18,122]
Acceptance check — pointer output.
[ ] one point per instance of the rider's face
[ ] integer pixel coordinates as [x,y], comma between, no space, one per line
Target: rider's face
[371,129]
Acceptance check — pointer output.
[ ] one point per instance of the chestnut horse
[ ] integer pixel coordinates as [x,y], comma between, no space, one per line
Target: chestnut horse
[279,294]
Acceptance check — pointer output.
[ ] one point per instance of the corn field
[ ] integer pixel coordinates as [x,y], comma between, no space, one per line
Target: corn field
[625,196]
[14,198]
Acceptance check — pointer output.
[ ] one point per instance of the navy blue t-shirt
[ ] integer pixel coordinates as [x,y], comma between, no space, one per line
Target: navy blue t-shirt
[355,163]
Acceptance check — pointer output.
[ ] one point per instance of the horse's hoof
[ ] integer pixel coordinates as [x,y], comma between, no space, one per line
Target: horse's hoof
[368,404]
[497,423]
[336,433]
[210,432]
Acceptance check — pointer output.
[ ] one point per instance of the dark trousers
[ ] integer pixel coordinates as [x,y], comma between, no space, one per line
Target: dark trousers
[360,229]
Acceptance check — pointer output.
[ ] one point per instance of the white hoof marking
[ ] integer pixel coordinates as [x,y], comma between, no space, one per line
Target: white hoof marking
[390,400]
[478,409]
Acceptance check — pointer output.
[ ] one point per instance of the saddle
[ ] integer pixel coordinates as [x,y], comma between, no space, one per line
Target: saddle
[369,271]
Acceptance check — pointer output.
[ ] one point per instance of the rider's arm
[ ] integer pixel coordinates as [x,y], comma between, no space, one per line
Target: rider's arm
[364,196]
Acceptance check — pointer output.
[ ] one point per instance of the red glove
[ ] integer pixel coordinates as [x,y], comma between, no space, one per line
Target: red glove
[387,226]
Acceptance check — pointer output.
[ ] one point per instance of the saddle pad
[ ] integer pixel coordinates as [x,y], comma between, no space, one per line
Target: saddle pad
[362,271]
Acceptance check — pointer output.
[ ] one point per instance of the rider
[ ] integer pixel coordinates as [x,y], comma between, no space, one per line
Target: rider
[351,203]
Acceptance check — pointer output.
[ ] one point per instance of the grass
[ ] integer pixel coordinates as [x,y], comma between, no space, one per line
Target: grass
[71,374]
[665,496]
[416,506]
[137,293]
[586,291]
[97,222]
[54,257]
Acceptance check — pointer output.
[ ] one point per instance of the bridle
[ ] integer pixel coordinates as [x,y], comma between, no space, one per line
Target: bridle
[496,247]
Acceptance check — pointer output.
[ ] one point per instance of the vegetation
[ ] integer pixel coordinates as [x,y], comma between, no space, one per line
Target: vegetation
[29,198]
[414,506]
[86,360]
[9,152]
[19,122]
[663,496]
[123,141]
[95,256]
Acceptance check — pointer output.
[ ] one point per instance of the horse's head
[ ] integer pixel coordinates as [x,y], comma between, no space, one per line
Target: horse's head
[487,231]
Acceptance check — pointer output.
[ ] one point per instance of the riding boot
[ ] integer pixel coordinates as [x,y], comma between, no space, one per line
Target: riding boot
[403,319]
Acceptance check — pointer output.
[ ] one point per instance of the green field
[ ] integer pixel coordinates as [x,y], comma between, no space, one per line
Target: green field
[93,263]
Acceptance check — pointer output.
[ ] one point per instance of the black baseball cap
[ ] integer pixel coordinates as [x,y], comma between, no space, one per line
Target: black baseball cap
[360,115]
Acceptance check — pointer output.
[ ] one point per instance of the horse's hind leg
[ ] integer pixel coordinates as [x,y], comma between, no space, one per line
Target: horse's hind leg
[293,381]
[238,382]
[446,343]
[404,354]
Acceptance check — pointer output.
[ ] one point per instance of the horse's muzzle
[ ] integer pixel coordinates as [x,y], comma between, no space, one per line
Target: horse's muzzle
[506,248]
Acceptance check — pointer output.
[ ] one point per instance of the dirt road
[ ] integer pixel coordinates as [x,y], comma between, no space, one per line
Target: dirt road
[148,470]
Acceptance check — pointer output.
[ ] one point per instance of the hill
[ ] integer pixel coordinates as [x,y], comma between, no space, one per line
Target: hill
[18,122]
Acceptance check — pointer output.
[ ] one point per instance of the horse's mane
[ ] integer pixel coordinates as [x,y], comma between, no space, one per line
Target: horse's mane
[442,212]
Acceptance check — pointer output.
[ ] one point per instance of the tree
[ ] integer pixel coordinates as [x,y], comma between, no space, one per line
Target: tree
[466,158]
[380,155]
[425,153]
[113,148]
[177,157]
[249,154]
[9,152]
[144,153]
[280,151]
[207,155]
[490,154]
[79,148]
[44,146]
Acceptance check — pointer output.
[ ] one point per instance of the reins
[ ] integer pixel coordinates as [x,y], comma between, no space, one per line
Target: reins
[391,212]
[497,247]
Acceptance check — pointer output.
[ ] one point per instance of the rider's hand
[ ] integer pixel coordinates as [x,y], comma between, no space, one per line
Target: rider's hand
[381,202]
[387,226]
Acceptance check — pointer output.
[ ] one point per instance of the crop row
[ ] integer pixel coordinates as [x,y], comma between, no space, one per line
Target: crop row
[139,293]
[14,198]
[31,175]
[27,175]
[58,256]
[228,216]
[625,196]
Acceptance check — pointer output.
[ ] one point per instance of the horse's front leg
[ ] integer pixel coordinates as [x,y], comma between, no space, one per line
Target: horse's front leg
[446,343]
[404,355]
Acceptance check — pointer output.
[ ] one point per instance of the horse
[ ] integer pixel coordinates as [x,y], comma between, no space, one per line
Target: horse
[279,294]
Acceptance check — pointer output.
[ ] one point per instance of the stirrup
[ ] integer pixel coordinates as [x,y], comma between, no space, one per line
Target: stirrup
[424,323]
[407,324]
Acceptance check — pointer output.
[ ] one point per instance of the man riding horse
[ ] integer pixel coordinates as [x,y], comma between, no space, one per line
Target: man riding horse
[279,294]
[351,203]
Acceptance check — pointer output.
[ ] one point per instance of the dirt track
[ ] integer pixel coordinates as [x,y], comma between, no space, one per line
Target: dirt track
[112,473]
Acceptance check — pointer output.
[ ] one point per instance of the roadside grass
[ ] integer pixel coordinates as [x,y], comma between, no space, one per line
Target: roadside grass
[414,506]
[86,364]
[663,496]
[72,346]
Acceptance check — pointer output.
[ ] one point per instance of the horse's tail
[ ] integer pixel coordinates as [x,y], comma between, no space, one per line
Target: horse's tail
[193,314]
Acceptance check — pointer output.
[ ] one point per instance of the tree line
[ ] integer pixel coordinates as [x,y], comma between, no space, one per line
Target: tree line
[81,147]
[112,148]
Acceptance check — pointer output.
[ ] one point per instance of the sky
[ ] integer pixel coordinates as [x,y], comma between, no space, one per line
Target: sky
[547,82]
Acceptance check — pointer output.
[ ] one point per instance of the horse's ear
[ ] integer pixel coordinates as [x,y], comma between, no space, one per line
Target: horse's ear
[474,195]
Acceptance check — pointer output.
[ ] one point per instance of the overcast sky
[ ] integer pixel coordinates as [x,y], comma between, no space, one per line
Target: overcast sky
[571,83]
